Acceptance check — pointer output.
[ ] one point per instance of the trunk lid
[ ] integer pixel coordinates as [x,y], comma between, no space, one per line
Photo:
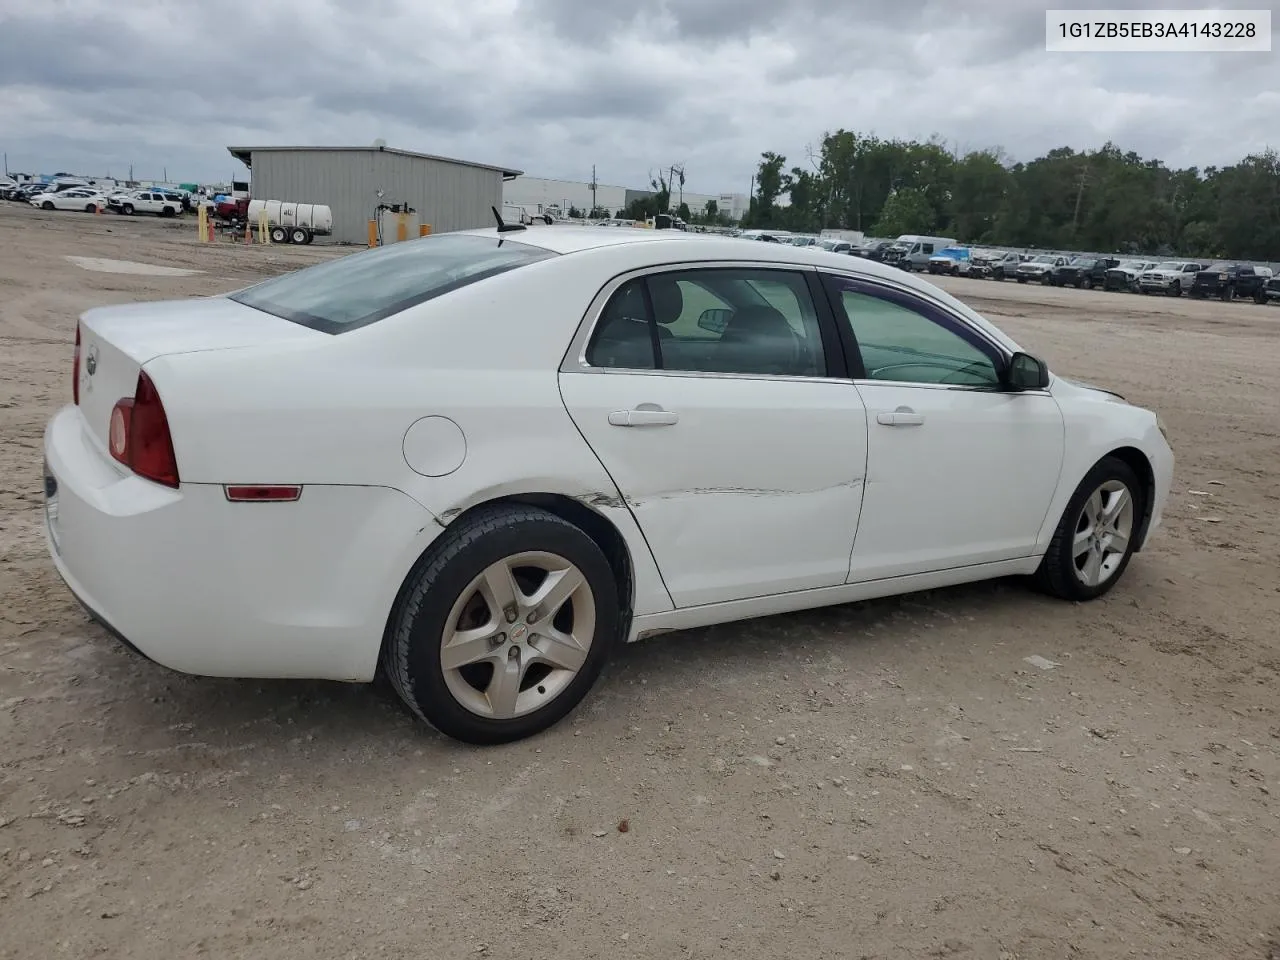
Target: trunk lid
[115,343]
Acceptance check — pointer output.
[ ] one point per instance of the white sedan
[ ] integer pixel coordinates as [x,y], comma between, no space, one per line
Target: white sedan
[479,460]
[75,198]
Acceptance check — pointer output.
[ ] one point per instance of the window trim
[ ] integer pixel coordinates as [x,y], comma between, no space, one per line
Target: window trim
[575,358]
[932,310]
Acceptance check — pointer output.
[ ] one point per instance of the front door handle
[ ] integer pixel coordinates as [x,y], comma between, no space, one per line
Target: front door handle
[902,417]
[642,418]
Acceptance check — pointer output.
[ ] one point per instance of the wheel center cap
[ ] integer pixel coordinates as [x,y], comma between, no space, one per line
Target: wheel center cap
[519,632]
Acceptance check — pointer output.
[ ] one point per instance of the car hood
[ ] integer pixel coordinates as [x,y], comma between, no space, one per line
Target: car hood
[1081,386]
[1163,274]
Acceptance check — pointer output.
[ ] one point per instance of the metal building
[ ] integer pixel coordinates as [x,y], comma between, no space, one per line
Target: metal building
[448,194]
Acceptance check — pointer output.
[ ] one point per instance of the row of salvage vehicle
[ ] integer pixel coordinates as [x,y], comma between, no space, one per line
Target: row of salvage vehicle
[1221,280]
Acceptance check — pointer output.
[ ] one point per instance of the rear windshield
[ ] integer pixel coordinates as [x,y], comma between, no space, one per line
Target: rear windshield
[365,287]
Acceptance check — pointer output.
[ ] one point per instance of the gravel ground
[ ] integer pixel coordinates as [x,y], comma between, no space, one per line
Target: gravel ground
[890,779]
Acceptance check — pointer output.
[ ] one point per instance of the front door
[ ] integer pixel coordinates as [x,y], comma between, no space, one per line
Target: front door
[705,394]
[959,471]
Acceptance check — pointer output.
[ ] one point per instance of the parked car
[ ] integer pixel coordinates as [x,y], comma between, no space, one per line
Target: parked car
[1271,290]
[1124,275]
[1228,280]
[994,264]
[1086,272]
[75,198]
[872,249]
[489,521]
[159,202]
[1039,269]
[1172,277]
[950,261]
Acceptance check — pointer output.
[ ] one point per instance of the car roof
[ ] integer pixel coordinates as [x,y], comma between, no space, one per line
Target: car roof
[670,247]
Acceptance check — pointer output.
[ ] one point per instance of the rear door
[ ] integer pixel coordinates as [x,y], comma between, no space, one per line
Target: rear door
[717,400]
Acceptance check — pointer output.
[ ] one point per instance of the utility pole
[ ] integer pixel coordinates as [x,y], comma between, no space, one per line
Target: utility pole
[1075,217]
[594,205]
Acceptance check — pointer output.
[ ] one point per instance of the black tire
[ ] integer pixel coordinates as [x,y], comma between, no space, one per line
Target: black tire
[127,209]
[1145,291]
[90,208]
[167,212]
[410,655]
[1226,294]
[1088,283]
[298,235]
[310,236]
[47,205]
[1260,297]
[1058,574]
[1047,280]
[1175,290]
[279,235]
[1022,279]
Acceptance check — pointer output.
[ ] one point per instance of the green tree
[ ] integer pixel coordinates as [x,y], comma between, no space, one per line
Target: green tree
[683,212]
[907,211]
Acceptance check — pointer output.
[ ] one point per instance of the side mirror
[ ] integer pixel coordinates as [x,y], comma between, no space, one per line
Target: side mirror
[1026,372]
[715,320]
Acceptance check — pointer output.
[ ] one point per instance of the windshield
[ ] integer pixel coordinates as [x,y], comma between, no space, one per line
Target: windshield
[1083,262]
[365,287]
[1218,268]
[1170,265]
[1044,258]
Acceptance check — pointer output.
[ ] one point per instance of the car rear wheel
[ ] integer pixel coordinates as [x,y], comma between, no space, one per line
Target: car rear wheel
[298,235]
[1260,296]
[503,626]
[1097,534]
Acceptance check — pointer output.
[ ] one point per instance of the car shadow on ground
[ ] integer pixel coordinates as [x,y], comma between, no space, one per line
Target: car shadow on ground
[160,708]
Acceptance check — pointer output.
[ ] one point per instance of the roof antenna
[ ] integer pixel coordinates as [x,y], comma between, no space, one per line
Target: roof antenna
[505,227]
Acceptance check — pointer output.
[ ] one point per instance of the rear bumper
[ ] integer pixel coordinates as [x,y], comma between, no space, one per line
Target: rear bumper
[205,586]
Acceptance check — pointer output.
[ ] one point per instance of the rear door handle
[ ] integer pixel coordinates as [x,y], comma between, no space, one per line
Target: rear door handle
[902,417]
[642,418]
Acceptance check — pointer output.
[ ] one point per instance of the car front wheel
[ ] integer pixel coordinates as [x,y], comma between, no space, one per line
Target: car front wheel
[503,626]
[1096,535]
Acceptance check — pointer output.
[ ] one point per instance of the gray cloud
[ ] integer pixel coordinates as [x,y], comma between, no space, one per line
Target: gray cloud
[553,86]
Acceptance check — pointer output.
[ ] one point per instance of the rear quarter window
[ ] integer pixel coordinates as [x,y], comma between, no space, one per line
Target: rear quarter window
[366,287]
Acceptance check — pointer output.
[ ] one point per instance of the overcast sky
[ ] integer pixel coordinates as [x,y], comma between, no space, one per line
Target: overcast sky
[552,86]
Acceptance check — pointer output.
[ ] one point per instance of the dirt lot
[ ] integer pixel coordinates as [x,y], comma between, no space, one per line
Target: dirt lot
[890,779]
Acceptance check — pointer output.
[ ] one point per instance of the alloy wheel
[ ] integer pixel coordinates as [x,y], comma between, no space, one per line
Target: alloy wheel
[1102,533]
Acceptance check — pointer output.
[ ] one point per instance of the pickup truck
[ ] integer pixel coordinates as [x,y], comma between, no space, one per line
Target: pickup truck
[1086,272]
[950,261]
[1228,280]
[1039,269]
[993,264]
[1271,291]
[1124,275]
[1172,277]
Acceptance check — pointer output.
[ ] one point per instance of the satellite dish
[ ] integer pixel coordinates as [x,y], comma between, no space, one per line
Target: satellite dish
[379,143]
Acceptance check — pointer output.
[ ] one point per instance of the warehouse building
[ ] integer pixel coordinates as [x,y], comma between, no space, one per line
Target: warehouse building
[447,194]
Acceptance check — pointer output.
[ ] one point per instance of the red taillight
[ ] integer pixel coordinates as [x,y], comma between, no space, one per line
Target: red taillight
[75,369]
[139,436]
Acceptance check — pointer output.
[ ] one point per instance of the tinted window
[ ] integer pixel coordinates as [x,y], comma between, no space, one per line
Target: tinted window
[901,342]
[365,287]
[760,322]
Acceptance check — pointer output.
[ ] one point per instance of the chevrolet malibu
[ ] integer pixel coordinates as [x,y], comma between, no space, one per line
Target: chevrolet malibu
[478,461]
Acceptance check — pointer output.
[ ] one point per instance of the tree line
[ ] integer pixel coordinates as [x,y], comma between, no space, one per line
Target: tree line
[1104,200]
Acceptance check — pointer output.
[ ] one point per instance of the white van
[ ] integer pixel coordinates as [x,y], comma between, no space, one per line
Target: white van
[912,251]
